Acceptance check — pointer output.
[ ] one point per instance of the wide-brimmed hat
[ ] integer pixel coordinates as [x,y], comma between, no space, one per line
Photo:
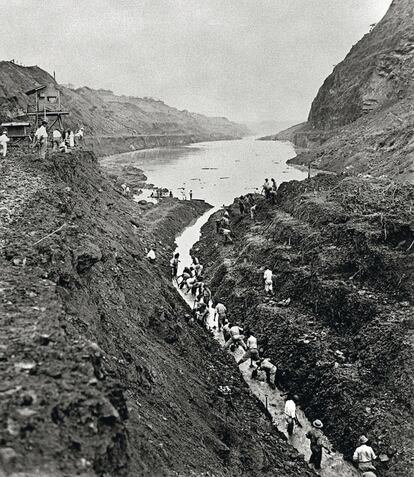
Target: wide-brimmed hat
[363,439]
[44,121]
[318,424]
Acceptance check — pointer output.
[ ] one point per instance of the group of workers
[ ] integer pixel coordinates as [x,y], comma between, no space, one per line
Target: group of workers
[247,205]
[270,190]
[235,336]
[62,141]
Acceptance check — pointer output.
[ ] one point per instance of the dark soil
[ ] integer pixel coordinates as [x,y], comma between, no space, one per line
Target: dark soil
[101,375]
[342,250]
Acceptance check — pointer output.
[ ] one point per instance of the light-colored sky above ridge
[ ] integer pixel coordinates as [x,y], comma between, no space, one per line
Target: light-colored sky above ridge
[249,60]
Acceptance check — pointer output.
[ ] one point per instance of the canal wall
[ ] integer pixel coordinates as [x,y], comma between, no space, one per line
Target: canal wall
[102,375]
[341,252]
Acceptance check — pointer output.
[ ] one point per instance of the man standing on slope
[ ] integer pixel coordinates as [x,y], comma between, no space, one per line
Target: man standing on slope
[268,280]
[41,139]
[4,139]
[220,313]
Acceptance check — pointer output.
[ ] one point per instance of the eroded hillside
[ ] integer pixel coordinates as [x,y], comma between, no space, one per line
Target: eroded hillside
[361,119]
[341,250]
[101,375]
[113,123]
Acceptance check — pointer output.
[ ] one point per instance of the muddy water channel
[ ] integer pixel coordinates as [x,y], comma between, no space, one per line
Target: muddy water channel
[218,172]
[333,465]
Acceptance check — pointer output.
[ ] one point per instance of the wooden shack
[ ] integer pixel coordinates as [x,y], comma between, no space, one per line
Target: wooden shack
[17,130]
[47,105]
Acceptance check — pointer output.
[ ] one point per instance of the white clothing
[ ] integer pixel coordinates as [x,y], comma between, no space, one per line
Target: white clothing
[151,254]
[4,139]
[236,331]
[221,309]
[290,408]
[364,453]
[251,342]
[267,364]
[268,276]
[41,133]
[71,139]
[56,134]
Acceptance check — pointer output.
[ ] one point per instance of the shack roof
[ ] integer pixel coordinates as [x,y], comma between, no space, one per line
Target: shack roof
[34,90]
[14,123]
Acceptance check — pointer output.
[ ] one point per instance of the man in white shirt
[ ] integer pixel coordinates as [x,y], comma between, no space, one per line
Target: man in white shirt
[41,139]
[56,139]
[364,455]
[4,139]
[268,279]
[252,351]
[220,313]
[270,369]
[290,413]
[236,338]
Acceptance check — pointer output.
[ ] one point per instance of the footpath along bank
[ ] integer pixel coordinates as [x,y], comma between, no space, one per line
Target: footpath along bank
[341,253]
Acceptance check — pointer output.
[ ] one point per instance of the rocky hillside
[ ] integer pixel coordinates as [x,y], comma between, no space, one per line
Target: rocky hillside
[341,250]
[118,122]
[361,119]
[101,374]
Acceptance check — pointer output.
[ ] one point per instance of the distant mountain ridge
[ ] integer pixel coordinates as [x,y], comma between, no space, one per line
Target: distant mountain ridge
[362,117]
[108,117]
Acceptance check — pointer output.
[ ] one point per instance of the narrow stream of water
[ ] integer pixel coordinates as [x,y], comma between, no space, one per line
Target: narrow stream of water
[333,465]
[218,172]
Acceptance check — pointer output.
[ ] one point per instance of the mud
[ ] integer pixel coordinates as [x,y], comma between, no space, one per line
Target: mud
[100,373]
[340,250]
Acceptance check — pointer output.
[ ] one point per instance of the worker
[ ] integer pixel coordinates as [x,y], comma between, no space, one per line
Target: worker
[226,330]
[316,443]
[205,294]
[191,194]
[56,139]
[273,191]
[252,351]
[364,455]
[236,337]
[241,205]
[202,313]
[174,265]
[220,312]
[270,369]
[71,139]
[184,277]
[266,188]
[290,412]
[227,235]
[79,136]
[268,281]
[4,139]
[253,209]
[151,255]
[198,269]
[41,139]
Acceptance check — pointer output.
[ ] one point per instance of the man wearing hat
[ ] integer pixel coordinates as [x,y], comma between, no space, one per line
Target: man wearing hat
[316,443]
[364,455]
[41,139]
[4,139]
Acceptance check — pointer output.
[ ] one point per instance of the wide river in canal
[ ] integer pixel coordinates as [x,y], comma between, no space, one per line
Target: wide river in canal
[215,171]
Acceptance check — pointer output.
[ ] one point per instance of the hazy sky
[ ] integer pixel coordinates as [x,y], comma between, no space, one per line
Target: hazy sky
[244,59]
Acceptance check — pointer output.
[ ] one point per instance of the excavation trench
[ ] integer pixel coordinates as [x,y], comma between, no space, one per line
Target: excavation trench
[333,465]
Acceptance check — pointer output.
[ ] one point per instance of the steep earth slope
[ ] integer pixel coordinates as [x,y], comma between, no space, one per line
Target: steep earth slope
[361,118]
[342,250]
[113,123]
[101,375]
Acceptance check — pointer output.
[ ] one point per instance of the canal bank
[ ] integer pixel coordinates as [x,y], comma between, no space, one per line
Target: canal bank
[338,248]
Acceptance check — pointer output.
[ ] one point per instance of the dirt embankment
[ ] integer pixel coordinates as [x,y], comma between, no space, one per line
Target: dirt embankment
[342,251]
[101,376]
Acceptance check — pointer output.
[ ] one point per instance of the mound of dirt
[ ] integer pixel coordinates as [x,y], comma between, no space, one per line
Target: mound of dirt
[342,251]
[101,374]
